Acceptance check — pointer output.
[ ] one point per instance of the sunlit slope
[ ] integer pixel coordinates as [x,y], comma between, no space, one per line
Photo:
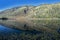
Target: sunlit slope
[16,11]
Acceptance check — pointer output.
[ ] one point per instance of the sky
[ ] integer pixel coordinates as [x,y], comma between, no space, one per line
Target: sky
[4,4]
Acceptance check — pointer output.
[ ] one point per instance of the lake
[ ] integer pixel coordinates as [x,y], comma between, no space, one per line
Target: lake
[13,34]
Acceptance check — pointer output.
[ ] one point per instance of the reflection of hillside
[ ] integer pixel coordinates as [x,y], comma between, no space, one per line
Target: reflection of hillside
[26,35]
[14,34]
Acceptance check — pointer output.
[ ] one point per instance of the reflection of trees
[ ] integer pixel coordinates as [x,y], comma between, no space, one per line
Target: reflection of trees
[29,36]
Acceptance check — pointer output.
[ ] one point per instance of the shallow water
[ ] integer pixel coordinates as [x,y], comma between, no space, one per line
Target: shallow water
[14,34]
[5,30]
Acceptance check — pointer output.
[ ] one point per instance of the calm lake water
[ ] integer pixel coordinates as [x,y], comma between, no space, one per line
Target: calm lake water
[13,34]
[5,30]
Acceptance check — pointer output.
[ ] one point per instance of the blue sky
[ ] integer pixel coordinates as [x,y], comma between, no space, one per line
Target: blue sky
[12,3]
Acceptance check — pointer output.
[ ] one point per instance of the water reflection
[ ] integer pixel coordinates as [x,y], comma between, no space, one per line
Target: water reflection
[6,29]
[9,30]
[14,34]
[6,32]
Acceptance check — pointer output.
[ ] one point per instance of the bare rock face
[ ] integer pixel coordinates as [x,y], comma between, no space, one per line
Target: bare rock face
[44,17]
